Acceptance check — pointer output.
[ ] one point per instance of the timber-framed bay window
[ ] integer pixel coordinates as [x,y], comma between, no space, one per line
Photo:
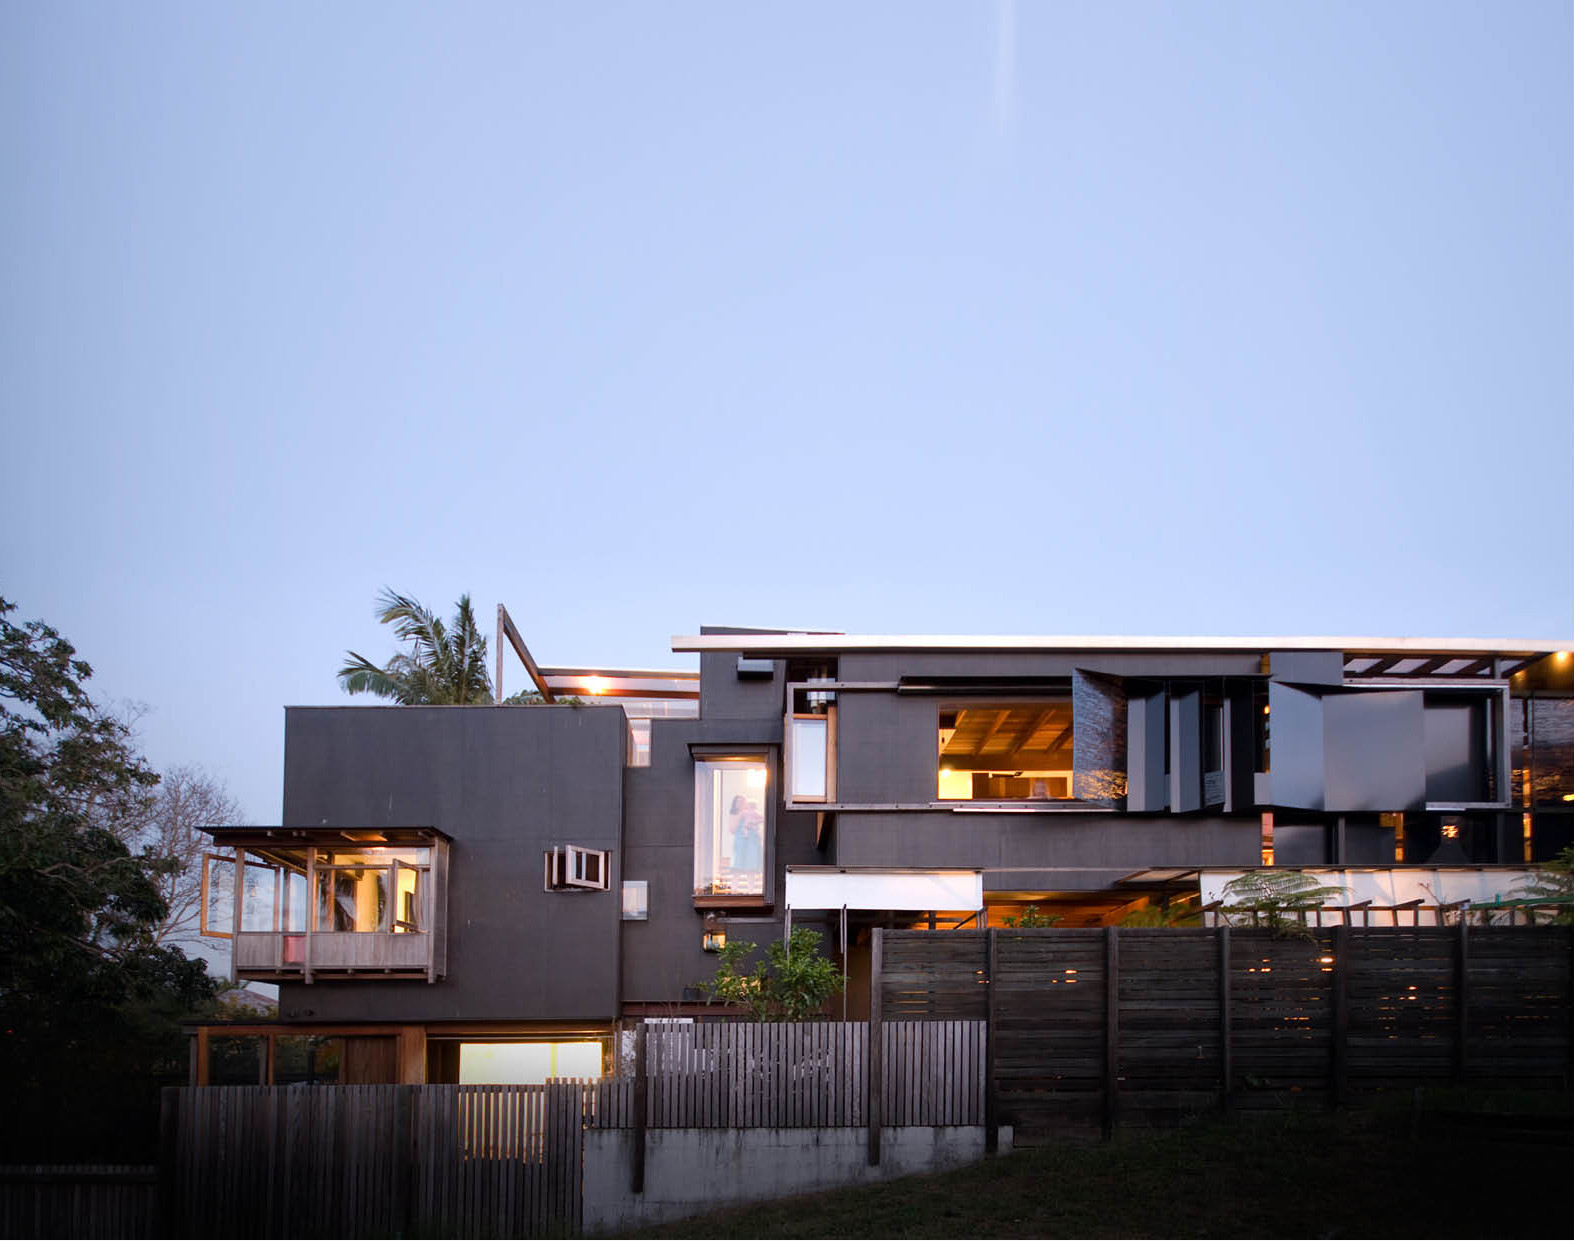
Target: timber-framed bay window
[733,816]
[306,902]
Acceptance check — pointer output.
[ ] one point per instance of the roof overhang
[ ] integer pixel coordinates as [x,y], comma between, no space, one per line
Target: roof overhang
[817,643]
[341,837]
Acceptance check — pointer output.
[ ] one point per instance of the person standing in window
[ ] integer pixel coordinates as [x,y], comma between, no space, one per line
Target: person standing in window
[748,837]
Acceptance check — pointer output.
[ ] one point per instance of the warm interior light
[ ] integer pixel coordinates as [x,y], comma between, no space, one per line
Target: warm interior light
[754,777]
[1568,797]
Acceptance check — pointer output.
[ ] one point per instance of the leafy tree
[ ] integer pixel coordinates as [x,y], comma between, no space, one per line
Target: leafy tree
[791,984]
[1280,899]
[1030,917]
[187,800]
[90,1003]
[445,665]
[1553,884]
[1178,914]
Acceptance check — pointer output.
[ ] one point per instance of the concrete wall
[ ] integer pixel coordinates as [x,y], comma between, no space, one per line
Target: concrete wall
[692,1171]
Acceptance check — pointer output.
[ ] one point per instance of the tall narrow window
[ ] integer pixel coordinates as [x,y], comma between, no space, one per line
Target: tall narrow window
[730,818]
[809,743]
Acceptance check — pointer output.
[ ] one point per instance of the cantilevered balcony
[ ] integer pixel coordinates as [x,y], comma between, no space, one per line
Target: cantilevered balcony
[306,904]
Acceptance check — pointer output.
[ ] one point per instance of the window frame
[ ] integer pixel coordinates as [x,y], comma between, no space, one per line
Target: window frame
[796,691]
[287,940]
[567,869]
[1009,702]
[766,758]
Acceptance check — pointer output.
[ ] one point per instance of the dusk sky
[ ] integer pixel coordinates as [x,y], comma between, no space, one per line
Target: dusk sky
[1203,318]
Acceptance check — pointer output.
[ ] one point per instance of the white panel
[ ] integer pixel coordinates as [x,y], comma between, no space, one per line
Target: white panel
[1396,887]
[885,889]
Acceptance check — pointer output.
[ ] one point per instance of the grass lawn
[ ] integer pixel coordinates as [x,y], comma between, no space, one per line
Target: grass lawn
[1350,1174]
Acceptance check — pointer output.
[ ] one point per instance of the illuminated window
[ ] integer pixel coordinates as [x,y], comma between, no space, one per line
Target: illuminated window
[1006,752]
[526,1064]
[639,743]
[364,889]
[731,806]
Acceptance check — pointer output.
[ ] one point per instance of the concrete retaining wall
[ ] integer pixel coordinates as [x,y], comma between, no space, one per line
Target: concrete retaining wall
[691,1171]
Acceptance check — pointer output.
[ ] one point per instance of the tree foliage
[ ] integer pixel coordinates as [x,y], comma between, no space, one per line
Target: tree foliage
[444,665]
[1031,918]
[1151,915]
[170,827]
[792,982]
[90,1003]
[1277,899]
[1552,884]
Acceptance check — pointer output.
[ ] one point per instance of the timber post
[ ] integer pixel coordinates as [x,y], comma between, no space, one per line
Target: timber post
[1226,1047]
[875,1085]
[1111,1026]
[641,1091]
[991,1020]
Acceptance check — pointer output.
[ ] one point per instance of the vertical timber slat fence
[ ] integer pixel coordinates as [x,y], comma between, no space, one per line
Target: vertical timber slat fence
[384,1161]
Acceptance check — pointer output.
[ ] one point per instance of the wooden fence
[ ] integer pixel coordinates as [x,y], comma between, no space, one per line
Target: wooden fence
[87,1200]
[1091,1027]
[798,1075]
[374,1161]
[493,1161]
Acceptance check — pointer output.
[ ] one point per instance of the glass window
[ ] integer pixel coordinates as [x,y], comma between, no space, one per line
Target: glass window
[1213,736]
[218,895]
[1542,737]
[729,827]
[636,900]
[357,889]
[351,898]
[1006,752]
[810,735]
[574,866]
[639,743]
[259,898]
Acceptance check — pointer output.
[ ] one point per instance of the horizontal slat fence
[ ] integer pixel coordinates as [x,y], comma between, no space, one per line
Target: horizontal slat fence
[1108,1025]
[87,1200]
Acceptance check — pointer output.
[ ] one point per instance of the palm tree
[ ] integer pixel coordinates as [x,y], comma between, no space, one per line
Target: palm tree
[445,665]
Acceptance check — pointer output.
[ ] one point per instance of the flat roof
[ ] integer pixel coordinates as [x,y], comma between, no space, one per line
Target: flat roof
[813,643]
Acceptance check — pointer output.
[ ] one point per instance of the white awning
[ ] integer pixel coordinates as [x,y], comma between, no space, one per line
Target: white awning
[827,888]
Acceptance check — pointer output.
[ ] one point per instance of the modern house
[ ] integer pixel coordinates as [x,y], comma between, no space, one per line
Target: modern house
[462,891]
